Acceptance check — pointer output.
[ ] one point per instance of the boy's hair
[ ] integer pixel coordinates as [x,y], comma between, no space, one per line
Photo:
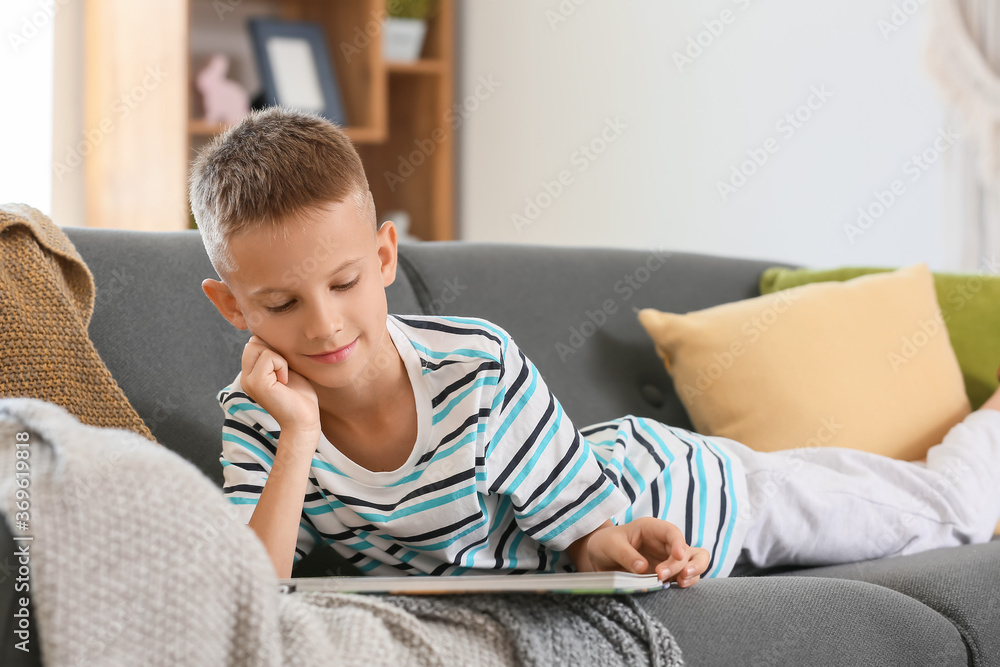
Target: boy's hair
[274,164]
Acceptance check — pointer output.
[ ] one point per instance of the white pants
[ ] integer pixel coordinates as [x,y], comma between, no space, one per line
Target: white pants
[825,505]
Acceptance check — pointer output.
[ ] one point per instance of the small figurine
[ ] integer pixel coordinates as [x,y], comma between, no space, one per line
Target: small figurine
[225,101]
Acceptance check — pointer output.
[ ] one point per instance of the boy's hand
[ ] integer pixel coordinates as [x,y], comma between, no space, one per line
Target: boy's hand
[286,395]
[646,546]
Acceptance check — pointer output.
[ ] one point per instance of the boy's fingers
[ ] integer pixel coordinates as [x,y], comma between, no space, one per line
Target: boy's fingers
[262,364]
[658,530]
[668,569]
[251,352]
[630,559]
[692,570]
[700,560]
[670,537]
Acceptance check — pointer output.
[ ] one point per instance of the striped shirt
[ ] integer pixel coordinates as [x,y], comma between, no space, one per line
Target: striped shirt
[499,479]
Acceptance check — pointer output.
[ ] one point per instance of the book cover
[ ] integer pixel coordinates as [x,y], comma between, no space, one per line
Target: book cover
[568,582]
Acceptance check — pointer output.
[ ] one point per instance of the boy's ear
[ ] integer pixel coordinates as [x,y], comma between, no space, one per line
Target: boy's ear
[220,294]
[387,251]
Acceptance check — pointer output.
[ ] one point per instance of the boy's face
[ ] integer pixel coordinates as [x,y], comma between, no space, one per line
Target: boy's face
[290,293]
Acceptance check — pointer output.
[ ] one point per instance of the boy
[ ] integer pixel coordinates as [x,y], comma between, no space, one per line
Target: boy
[431,444]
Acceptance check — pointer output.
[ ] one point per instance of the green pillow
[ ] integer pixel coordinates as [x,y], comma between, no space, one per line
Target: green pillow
[970,307]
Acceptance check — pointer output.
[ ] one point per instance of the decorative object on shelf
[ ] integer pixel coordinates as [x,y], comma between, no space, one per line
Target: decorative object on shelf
[224,100]
[401,219]
[404,28]
[295,67]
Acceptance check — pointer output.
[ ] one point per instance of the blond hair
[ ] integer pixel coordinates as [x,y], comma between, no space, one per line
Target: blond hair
[273,165]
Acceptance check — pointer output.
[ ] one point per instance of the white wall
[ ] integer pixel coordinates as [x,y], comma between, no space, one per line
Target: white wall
[26,47]
[557,82]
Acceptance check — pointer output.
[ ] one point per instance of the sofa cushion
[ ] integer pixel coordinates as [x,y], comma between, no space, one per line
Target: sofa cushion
[826,364]
[803,621]
[968,306]
[961,583]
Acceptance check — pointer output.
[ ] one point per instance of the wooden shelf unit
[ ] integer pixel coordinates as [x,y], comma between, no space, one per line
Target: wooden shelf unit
[398,113]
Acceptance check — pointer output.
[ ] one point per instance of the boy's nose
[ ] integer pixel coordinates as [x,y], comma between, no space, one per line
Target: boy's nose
[323,322]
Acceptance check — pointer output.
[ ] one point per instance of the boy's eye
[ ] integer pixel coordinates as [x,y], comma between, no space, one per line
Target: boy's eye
[286,306]
[278,309]
[348,285]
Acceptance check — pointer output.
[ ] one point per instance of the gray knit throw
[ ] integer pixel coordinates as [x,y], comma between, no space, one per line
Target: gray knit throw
[137,558]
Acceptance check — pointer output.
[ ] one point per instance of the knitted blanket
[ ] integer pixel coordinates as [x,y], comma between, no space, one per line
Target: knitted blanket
[46,301]
[137,558]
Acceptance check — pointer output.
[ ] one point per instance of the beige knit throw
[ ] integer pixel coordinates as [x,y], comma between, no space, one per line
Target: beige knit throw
[46,302]
[135,558]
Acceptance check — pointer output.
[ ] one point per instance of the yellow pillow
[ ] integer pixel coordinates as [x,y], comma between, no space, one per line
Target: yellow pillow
[865,364]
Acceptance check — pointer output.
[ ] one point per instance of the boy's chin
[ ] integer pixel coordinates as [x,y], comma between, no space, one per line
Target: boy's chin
[329,378]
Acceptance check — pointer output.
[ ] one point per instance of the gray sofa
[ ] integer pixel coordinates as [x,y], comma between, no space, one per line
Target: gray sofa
[171,351]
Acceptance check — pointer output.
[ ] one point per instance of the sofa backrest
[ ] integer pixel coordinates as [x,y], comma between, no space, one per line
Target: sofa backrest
[570,309]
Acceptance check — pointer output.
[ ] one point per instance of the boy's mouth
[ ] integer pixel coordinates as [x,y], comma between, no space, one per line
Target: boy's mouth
[334,356]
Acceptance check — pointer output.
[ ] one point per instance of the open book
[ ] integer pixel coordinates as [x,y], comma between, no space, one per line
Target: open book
[568,582]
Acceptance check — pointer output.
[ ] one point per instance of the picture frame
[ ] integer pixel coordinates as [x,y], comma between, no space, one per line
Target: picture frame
[295,67]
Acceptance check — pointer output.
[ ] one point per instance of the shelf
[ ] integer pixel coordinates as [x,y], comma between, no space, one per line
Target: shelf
[360,135]
[137,177]
[422,66]
[202,128]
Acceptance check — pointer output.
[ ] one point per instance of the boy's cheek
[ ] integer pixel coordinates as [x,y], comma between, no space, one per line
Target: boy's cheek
[252,320]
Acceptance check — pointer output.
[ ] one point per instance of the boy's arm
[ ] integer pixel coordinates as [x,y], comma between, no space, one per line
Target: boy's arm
[534,454]
[291,403]
[578,550]
[562,496]
[275,519]
[249,456]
